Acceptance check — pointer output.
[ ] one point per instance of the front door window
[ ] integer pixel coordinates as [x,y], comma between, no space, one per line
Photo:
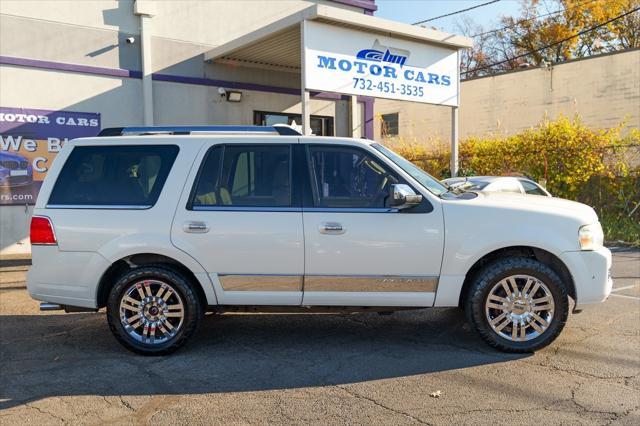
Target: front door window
[349,178]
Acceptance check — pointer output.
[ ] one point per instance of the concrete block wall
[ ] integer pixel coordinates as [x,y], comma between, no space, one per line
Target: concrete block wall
[603,90]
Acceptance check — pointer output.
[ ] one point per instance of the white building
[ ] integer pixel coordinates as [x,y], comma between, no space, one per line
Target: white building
[69,68]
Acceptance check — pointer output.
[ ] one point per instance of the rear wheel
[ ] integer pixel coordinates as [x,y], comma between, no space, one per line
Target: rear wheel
[153,311]
[518,304]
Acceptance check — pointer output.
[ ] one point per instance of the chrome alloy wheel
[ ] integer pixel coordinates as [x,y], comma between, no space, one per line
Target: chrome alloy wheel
[519,308]
[151,311]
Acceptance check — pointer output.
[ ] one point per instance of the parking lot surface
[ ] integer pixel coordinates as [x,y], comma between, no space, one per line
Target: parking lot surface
[360,369]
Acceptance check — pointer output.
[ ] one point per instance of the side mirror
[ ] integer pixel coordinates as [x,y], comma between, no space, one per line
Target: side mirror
[403,197]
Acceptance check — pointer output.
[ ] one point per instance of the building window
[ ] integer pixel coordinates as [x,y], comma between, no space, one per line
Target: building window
[389,124]
[320,125]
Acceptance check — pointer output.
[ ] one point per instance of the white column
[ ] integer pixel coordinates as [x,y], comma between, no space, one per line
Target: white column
[147,82]
[454,123]
[306,113]
[355,119]
[145,10]
[304,95]
[454,141]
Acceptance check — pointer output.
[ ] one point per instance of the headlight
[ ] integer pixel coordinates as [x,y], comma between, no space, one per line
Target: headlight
[591,236]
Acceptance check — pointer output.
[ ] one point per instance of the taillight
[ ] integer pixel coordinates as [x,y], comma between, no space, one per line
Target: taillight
[41,231]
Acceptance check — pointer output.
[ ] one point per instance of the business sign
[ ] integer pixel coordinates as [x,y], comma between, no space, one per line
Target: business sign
[29,141]
[348,61]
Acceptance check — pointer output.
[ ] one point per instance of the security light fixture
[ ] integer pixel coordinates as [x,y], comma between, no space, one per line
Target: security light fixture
[233,96]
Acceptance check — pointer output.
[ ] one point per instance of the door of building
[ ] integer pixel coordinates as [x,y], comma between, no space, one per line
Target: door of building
[320,125]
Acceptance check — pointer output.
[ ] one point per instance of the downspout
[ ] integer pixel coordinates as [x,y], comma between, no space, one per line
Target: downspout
[145,9]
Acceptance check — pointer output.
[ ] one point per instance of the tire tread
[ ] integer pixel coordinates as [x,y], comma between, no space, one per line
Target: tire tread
[486,277]
[193,308]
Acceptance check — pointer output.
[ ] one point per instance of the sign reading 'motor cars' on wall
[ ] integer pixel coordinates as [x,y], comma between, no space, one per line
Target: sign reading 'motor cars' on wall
[29,141]
[349,61]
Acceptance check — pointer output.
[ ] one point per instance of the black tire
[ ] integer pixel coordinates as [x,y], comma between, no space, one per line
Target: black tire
[492,274]
[193,310]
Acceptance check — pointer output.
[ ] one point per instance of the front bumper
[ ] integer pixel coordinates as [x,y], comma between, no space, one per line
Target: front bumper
[591,273]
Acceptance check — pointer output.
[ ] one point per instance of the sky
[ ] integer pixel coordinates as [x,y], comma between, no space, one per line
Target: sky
[410,11]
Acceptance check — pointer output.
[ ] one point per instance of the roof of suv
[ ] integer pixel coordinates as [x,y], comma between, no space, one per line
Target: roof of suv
[276,129]
[154,134]
[166,138]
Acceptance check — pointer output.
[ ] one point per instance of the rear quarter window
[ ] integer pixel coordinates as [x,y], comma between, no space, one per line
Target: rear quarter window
[124,176]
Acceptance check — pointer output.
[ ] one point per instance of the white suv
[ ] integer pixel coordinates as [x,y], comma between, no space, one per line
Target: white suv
[167,223]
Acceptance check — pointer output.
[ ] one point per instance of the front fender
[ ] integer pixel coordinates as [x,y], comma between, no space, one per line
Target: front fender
[459,257]
[473,231]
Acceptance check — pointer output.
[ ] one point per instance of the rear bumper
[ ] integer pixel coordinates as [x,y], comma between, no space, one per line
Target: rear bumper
[65,278]
[591,273]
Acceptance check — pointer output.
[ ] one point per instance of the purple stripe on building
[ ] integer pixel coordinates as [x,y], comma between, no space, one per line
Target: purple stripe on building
[367,5]
[61,66]
[225,84]
[123,73]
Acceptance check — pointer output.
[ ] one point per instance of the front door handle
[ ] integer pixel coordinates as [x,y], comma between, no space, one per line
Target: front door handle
[195,227]
[333,228]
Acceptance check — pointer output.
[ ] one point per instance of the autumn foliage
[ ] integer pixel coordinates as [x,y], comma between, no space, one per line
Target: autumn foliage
[572,29]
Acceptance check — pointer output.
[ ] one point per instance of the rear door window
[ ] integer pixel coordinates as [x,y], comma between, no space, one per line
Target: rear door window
[122,176]
[244,176]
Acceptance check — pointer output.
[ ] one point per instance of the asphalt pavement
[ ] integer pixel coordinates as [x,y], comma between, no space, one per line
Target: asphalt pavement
[413,367]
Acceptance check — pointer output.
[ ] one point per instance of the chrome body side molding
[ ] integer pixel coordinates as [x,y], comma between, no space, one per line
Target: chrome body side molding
[314,283]
[372,283]
[233,282]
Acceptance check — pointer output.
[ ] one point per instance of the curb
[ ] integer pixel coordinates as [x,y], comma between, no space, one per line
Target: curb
[622,249]
[24,261]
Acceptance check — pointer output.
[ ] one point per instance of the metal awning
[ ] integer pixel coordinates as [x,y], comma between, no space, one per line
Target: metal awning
[286,44]
[277,45]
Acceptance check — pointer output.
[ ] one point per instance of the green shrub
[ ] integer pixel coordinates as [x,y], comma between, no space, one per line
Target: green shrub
[621,230]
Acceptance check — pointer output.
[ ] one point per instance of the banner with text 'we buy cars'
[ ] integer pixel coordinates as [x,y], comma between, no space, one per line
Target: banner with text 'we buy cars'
[29,141]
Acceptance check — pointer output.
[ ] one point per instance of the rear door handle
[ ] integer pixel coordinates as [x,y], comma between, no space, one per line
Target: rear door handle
[333,228]
[195,227]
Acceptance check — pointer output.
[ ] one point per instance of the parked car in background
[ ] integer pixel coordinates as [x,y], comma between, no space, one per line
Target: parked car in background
[15,170]
[517,185]
[161,225]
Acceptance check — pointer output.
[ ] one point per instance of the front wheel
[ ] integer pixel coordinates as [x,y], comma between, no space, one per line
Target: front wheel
[153,310]
[517,304]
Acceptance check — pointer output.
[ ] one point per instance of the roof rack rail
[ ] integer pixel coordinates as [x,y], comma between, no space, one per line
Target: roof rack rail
[276,129]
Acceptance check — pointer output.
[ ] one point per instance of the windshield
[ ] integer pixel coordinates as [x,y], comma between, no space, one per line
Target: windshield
[470,185]
[424,178]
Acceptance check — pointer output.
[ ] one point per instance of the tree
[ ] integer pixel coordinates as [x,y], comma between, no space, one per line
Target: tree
[553,22]
[480,54]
